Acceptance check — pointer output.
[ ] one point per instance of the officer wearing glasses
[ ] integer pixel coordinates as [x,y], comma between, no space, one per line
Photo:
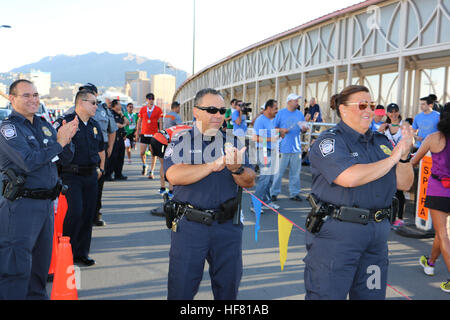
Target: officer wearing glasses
[206,168]
[355,174]
[82,175]
[29,151]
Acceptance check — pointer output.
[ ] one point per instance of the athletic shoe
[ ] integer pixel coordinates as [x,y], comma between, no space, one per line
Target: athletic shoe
[144,169]
[170,194]
[163,190]
[151,176]
[129,161]
[445,286]
[398,223]
[429,270]
[296,198]
[273,198]
[148,153]
[270,205]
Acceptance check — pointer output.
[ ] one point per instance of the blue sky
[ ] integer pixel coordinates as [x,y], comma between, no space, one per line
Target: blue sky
[153,29]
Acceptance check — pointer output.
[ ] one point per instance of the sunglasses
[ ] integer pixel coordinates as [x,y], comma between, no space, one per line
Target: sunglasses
[362,105]
[212,110]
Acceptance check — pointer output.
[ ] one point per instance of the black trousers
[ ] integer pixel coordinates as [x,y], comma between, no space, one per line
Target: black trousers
[81,197]
[101,182]
[117,158]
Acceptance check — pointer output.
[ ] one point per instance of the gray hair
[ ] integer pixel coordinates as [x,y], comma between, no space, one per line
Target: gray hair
[204,92]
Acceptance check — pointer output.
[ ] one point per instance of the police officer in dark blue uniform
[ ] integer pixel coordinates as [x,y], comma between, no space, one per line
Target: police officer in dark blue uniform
[29,149]
[206,168]
[81,176]
[355,174]
[118,153]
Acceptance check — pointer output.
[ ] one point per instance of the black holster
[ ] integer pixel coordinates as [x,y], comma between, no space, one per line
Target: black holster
[13,187]
[170,210]
[228,210]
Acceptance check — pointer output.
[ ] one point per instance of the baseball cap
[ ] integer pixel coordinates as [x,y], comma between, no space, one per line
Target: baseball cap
[292,96]
[89,86]
[263,107]
[391,107]
[379,110]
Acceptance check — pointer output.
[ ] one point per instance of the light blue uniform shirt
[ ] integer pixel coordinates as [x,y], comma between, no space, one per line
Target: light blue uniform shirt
[426,123]
[285,119]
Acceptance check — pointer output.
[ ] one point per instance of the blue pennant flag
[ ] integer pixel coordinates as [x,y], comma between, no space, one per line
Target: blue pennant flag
[257,207]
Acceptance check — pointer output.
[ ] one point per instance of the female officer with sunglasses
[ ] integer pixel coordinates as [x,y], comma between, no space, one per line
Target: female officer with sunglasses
[355,174]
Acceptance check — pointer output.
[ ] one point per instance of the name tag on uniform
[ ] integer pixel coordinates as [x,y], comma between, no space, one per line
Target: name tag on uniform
[56,158]
[148,135]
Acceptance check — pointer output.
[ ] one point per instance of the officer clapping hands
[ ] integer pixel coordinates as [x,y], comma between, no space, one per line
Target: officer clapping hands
[67,131]
[402,149]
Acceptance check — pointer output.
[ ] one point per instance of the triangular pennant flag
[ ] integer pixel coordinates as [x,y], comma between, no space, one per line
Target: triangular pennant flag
[284,232]
[257,207]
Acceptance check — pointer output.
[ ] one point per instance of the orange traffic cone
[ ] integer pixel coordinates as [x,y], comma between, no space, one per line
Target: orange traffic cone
[64,283]
[60,214]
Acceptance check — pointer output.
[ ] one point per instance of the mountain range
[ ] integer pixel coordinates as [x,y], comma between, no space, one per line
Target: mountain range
[102,69]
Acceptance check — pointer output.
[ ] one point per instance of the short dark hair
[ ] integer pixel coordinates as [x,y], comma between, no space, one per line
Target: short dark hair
[12,87]
[270,103]
[427,99]
[129,104]
[89,86]
[174,105]
[203,93]
[115,102]
[233,100]
[433,96]
[82,94]
[150,96]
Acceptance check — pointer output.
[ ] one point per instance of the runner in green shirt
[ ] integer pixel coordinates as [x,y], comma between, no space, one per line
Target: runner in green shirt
[130,129]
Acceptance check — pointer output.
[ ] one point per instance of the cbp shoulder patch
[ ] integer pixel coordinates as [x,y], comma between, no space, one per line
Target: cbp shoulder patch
[9,131]
[326,146]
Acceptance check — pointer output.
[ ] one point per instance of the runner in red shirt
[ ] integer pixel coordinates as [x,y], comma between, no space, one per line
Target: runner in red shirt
[158,145]
[148,124]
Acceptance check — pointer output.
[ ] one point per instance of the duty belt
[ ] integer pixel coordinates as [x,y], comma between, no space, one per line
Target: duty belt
[42,194]
[202,216]
[358,215]
[79,170]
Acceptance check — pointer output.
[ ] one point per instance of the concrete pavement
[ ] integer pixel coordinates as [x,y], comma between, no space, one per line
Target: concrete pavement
[132,258]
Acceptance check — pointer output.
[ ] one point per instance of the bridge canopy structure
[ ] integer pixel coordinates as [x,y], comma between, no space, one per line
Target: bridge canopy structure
[399,49]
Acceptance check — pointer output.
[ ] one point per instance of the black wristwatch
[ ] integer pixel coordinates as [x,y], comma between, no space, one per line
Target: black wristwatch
[407,159]
[238,171]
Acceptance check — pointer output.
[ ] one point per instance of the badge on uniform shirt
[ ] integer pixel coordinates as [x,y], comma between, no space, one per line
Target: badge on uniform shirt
[46,131]
[95,130]
[9,131]
[326,147]
[386,150]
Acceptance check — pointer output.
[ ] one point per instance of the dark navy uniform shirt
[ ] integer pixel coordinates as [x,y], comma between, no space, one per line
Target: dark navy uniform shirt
[31,149]
[341,147]
[88,141]
[120,133]
[194,148]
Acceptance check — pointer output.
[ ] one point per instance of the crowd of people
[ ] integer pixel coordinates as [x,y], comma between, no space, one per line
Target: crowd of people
[359,167]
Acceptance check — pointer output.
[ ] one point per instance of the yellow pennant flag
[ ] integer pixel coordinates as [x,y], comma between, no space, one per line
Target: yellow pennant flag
[284,232]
